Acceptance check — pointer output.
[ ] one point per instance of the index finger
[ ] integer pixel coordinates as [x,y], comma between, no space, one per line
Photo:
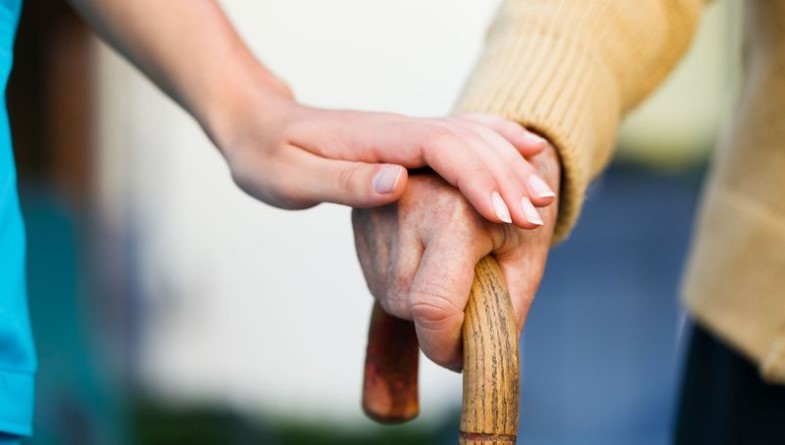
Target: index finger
[439,294]
[525,141]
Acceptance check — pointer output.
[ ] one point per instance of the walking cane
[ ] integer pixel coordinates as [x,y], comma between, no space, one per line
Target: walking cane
[489,415]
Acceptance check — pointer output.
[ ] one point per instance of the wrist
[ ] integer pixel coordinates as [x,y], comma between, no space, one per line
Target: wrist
[246,97]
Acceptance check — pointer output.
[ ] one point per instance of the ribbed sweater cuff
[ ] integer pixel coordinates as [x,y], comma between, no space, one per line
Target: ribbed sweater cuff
[556,86]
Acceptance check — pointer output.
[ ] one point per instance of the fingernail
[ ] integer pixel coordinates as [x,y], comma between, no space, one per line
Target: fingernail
[502,212]
[540,188]
[385,181]
[531,213]
[533,139]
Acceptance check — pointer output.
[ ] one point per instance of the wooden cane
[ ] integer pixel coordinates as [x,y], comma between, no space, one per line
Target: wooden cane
[489,415]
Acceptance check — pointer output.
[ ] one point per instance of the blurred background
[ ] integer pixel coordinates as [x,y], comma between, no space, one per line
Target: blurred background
[169,308]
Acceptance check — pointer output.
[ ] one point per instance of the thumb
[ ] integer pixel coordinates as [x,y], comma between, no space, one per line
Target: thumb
[362,185]
[356,184]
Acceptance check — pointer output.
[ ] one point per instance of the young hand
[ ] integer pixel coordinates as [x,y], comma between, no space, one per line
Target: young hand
[293,156]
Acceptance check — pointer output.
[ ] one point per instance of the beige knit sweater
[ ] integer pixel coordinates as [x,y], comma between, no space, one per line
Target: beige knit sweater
[572,69]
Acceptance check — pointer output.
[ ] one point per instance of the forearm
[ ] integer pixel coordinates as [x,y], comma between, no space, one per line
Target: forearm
[188,48]
[294,156]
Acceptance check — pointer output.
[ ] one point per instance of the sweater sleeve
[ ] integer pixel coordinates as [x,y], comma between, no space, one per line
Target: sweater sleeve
[571,69]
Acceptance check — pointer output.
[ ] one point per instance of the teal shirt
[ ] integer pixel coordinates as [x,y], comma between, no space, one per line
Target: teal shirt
[17,355]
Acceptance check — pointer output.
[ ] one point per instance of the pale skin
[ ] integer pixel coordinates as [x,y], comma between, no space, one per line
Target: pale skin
[294,156]
[417,254]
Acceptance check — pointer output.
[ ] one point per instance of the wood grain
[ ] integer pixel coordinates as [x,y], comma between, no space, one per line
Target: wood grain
[390,382]
[491,380]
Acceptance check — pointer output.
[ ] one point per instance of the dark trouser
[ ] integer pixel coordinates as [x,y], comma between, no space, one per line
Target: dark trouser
[724,401]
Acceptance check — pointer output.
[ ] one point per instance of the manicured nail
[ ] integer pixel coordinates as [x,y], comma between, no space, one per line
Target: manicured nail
[540,188]
[531,213]
[502,212]
[533,139]
[385,181]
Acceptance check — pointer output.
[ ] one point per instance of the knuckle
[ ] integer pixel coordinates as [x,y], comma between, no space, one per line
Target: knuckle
[346,179]
[396,307]
[477,179]
[396,296]
[515,158]
[442,136]
[399,287]
[455,213]
[432,308]
[510,179]
[503,239]
[479,128]
[508,126]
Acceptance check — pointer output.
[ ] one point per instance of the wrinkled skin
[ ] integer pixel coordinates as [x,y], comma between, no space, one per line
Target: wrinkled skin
[418,257]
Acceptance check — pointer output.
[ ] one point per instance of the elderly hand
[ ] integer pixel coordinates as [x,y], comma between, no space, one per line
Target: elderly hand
[418,257]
